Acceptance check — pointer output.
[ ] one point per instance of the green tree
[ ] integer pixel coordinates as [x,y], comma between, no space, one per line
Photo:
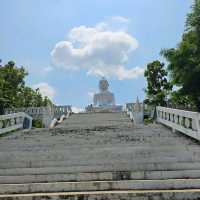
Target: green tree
[158,86]
[13,91]
[11,84]
[184,61]
[183,101]
[47,101]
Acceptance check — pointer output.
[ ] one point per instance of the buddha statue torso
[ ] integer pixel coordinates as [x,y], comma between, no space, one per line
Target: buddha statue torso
[104,98]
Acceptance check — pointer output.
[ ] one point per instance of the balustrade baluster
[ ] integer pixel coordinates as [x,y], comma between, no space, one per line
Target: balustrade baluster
[186,122]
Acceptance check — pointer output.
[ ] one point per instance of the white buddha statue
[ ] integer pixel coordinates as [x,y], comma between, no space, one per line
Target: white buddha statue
[104,98]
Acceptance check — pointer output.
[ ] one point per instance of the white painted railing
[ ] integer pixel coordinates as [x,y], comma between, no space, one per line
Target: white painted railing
[136,117]
[130,115]
[135,111]
[14,121]
[46,114]
[55,121]
[29,110]
[61,110]
[186,122]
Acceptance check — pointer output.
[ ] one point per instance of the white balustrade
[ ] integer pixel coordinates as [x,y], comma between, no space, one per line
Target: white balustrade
[130,114]
[186,122]
[14,121]
[46,114]
[61,110]
[135,112]
[136,117]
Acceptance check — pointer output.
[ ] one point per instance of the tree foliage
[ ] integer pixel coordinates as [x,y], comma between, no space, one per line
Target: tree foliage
[13,91]
[184,61]
[158,86]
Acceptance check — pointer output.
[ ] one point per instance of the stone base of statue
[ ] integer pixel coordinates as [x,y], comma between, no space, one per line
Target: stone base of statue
[102,109]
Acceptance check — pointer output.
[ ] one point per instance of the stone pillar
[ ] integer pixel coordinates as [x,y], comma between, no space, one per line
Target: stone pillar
[138,112]
[47,115]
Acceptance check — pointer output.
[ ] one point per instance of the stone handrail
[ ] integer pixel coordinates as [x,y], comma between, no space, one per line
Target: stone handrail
[61,110]
[55,121]
[136,117]
[14,121]
[29,110]
[46,114]
[130,114]
[186,122]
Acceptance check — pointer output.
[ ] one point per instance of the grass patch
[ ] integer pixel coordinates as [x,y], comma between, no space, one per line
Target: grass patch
[148,121]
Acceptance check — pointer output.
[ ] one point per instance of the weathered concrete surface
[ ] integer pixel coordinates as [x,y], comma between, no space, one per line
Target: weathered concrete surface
[100,186]
[99,151]
[110,195]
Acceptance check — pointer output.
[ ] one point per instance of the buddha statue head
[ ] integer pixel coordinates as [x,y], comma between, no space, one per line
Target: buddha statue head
[103,85]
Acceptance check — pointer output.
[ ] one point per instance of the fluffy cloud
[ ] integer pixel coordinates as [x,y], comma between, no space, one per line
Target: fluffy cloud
[45,89]
[119,72]
[120,19]
[98,50]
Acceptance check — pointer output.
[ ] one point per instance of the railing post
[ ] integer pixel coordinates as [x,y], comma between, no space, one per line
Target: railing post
[27,123]
[198,123]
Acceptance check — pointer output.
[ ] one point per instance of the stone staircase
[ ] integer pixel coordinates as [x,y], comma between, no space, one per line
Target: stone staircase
[99,156]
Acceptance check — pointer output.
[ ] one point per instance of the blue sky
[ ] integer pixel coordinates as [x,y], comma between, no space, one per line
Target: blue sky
[68,45]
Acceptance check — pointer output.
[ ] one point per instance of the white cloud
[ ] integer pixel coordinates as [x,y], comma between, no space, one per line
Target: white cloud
[98,50]
[45,89]
[123,73]
[114,23]
[76,109]
[120,19]
[120,72]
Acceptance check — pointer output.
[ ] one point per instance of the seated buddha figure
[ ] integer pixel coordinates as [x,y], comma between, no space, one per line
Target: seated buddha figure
[104,98]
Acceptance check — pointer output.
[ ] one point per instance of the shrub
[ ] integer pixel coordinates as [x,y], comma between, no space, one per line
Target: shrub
[148,121]
[37,123]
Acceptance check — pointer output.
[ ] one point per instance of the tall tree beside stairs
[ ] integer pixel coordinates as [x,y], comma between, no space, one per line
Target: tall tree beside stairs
[13,91]
[158,86]
[184,61]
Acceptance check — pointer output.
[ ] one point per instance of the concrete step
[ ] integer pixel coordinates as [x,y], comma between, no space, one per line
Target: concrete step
[61,145]
[186,194]
[39,160]
[84,132]
[56,133]
[138,149]
[86,153]
[99,176]
[101,161]
[85,186]
[126,166]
